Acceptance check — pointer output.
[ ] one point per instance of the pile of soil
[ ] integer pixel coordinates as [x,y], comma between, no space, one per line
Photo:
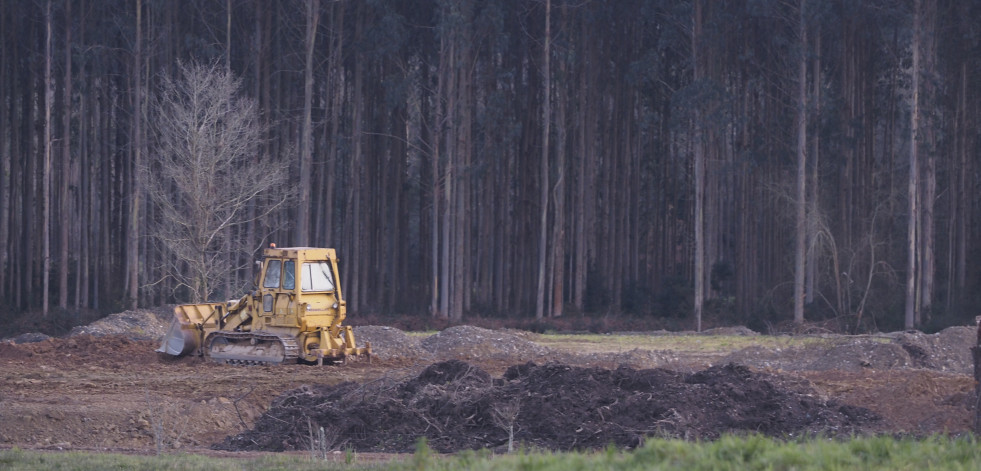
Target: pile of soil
[139,324]
[948,350]
[459,406]
[467,342]
[464,342]
[388,343]
[82,350]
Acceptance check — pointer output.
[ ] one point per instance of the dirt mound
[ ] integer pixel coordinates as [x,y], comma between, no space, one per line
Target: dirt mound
[458,406]
[826,354]
[139,324]
[948,350]
[83,350]
[637,358]
[388,343]
[475,343]
[12,351]
[917,402]
[460,342]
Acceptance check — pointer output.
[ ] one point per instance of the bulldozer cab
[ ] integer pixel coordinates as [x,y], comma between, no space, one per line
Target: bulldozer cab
[298,289]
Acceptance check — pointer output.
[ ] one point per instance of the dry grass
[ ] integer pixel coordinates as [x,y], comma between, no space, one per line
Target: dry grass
[695,344]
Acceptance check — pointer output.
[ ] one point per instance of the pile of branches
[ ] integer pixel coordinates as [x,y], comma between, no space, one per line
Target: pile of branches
[458,406]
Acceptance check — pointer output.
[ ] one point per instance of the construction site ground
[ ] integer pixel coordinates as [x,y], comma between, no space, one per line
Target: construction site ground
[103,388]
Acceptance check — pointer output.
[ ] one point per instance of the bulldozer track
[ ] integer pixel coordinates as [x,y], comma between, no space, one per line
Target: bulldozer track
[290,348]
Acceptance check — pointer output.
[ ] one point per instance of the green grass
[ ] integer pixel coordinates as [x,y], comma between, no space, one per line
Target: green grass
[704,344]
[16,459]
[728,453]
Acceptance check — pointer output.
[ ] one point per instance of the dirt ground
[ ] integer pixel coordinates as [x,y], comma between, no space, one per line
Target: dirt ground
[104,388]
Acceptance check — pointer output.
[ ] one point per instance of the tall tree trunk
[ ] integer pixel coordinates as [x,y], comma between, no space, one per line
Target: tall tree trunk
[912,306]
[960,215]
[699,173]
[46,176]
[438,306]
[133,230]
[464,145]
[447,141]
[928,131]
[66,167]
[546,121]
[584,177]
[306,137]
[810,264]
[801,197]
[83,221]
[6,86]
[454,175]
[229,258]
[558,226]
[356,218]
[335,93]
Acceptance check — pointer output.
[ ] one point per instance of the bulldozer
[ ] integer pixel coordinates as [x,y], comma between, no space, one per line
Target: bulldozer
[293,314]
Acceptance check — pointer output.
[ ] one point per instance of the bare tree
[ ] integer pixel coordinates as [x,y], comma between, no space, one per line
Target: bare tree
[505,415]
[203,173]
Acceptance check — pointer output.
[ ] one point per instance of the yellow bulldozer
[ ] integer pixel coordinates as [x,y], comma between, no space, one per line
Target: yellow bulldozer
[294,314]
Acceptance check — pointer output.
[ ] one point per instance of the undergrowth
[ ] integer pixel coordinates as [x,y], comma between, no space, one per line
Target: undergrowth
[753,452]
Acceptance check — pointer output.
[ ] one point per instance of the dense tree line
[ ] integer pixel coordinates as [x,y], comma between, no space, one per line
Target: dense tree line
[759,160]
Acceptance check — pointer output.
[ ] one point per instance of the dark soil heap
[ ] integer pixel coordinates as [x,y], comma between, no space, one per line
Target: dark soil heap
[457,406]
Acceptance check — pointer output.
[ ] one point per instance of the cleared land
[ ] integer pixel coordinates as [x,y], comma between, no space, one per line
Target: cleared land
[103,388]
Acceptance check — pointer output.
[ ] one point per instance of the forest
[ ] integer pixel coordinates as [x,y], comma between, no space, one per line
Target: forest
[754,162]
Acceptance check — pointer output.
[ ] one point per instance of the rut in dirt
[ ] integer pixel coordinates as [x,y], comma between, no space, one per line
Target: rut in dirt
[458,406]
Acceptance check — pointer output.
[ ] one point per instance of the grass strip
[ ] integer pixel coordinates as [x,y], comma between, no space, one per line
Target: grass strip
[753,452]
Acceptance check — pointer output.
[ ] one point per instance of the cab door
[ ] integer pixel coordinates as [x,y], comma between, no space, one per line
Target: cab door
[278,293]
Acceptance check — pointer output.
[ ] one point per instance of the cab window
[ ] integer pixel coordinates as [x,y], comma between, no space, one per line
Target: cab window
[317,276]
[273,269]
[289,275]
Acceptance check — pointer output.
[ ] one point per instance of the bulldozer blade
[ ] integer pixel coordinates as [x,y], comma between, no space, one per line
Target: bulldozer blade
[187,327]
[178,341]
